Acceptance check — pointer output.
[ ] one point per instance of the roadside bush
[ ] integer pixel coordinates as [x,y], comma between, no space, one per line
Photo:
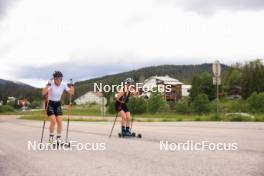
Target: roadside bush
[182,106]
[6,108]
[215,117]
[239,106]
[137,105]
[231,106]
[197,119]
[36,104]
[172,105]
[201,104]
[111,108]
[259,118]
[13,104]
[239,118]
[256,102]
[157,103]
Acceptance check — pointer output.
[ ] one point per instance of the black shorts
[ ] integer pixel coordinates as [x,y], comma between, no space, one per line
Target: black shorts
[54,108]
[121,106]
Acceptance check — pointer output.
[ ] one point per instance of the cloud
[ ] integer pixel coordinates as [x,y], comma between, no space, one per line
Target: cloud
[209,7]
[78,71]
[4,6]
[87,39]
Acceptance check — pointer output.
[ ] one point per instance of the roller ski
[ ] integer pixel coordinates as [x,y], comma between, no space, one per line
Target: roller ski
[126,133]
[58,142]
[133,135]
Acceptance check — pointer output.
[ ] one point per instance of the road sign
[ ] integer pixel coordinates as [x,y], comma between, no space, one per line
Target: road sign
[216,80]
[217,68]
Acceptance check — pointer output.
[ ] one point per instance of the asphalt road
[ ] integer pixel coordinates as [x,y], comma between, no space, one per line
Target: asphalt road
[135,157]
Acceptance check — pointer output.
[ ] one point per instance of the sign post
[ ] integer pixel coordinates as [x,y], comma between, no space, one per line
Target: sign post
[217,82]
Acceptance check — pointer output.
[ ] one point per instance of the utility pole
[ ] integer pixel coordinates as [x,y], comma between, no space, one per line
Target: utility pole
[217,82]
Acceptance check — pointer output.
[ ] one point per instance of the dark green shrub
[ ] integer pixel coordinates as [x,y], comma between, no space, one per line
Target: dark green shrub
[201,104]
[36,104]
[137,105]
[157,103]
[215,117]
[256,102]
[182,106]
[239,117]
[111,107]
[6,108]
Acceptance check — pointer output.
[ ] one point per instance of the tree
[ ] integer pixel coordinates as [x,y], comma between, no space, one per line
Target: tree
[207,86]
[203,84]
[137,105]
[234,78]
[252,78]
[201,104]
[182,106]
[157,103]
[195,89]
[111,107]
[256,102]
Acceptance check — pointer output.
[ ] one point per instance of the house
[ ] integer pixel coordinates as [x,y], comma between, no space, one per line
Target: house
[91,97]
[11,99]
[23,102]
[185,90]
[162,81]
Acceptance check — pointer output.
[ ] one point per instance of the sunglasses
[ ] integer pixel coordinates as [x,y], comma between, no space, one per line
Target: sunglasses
[58,78]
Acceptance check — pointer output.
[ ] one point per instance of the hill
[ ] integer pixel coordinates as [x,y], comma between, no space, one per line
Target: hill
[18,90]
[183,73]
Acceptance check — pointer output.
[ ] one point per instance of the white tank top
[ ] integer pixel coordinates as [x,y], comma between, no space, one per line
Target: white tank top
[55,92]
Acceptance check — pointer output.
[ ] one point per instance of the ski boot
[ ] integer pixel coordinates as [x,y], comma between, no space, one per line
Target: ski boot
[123,132]
[51,140]
[128,132]
[58,139]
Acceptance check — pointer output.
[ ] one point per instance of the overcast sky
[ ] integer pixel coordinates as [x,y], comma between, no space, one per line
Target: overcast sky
[90,38]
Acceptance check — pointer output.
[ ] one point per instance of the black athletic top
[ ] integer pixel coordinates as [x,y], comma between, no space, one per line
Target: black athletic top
[124,98]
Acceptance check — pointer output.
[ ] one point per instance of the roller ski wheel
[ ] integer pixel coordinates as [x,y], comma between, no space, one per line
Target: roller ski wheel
[137,135]
[121,135]
[66,144]
[133,135]
[63,144]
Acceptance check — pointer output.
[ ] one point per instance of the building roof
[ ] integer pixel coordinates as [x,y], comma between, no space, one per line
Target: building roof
[165,79]
[97,94]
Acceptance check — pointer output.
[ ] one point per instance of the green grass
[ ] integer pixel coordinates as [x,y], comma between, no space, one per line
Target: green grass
[175,117]
[41,117]
[94,111]
[159,118]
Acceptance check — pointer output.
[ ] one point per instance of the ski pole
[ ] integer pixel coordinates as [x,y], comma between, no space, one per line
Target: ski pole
[44,121]
[132,119]
[113,126]
[69,111]
[46,111]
